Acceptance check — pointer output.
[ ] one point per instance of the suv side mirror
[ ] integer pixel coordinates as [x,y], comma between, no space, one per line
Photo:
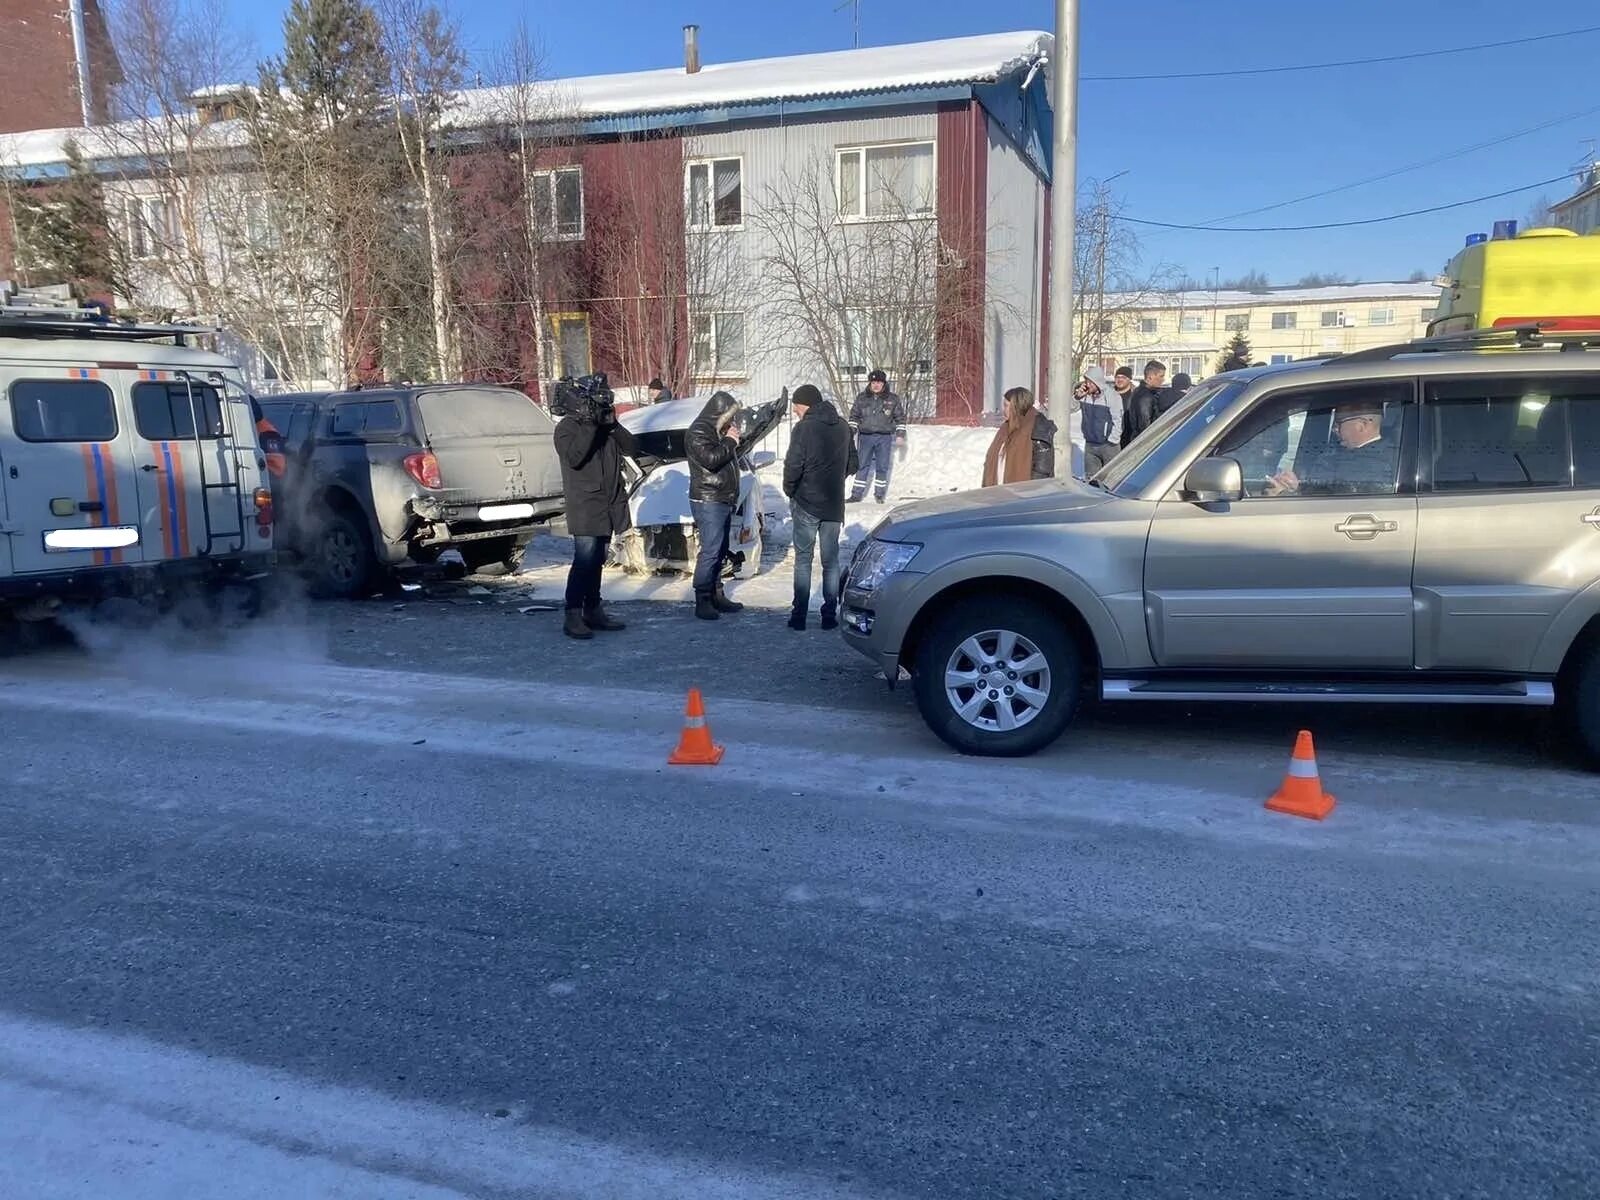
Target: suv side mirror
[1214,481]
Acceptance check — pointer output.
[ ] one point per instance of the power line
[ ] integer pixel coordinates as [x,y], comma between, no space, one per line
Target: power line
[1415,212]
[1416,166]
[1349,62]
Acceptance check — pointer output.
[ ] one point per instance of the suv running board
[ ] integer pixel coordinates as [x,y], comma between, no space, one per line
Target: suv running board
[1519,692]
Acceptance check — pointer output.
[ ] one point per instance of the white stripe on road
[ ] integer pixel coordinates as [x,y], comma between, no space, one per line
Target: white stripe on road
[107,1115]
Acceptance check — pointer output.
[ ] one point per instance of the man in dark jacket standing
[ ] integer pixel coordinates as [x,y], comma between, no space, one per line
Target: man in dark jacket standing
[1145,402]
[712,448]
[878,418]
[822,455]
[591,444]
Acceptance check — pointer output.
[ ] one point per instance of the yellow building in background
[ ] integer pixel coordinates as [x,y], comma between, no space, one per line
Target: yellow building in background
[1190,330]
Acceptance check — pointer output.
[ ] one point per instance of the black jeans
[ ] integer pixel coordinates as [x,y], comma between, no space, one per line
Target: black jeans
[711,521]
[809,531]
[583,580]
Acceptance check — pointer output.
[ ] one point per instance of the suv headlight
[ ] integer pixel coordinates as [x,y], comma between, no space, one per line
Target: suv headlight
[879,560]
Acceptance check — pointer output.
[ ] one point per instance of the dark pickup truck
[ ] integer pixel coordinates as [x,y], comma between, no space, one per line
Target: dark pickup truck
[379,479]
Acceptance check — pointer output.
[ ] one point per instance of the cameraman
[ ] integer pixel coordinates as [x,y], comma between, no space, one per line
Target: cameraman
[591,445]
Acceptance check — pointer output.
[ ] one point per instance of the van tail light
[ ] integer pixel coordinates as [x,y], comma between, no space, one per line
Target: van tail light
[264,517]
[424,468]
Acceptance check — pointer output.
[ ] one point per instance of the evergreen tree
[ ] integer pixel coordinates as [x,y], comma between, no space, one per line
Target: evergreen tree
[64,234]
[1237,353]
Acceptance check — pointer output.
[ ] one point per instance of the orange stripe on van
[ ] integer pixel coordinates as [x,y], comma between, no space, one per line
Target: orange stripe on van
[91,485]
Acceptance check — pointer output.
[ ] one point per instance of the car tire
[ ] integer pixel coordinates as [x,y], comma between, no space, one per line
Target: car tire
[341,563]
[971,639]
[1579,697]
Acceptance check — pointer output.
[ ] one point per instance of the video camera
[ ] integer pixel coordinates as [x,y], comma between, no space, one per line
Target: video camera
[588,398]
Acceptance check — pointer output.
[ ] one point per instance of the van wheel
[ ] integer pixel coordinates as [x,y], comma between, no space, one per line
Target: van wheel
[341,563]
[998,677]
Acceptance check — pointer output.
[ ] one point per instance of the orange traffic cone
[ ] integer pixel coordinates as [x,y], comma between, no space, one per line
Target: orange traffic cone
[695,748]
[1301,794]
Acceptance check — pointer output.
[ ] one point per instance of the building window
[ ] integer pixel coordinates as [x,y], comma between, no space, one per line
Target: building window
[260,222]
[1426,314]
[152,227]
[1192,365]
[716,194]
[718,347]
[1149,325]
[1381,316]
[557,202]
[1333,319]
[1194,324]
[1107,324]
[886,181]
[897,340]
[566,346]
[1280,359]
[1236,323]
[1283,320]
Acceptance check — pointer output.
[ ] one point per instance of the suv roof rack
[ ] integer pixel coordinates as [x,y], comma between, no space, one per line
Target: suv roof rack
[1506,337]
[54,312]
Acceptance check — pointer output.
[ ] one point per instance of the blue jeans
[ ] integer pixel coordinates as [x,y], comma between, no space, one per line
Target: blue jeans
[711,521]
[808,531]
[583,580]
[877,451]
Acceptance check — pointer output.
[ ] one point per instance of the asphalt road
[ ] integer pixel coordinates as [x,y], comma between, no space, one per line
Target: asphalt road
[386,900]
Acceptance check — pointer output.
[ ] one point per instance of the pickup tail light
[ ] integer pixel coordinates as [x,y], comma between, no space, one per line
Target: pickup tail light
[263,503]
[424,468]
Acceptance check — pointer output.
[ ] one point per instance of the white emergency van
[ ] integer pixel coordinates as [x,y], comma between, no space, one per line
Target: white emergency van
[129,459]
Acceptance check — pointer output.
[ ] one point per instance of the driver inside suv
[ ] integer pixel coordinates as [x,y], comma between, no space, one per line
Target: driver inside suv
[1362,461]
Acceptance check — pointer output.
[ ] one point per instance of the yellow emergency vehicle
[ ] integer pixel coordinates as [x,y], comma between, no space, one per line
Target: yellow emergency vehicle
[1544,277]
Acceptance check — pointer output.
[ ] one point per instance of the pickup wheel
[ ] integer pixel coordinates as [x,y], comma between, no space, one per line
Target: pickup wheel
[998,677]
[340,560]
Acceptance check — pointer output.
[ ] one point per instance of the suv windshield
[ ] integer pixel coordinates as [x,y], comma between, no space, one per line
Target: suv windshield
[1130,472]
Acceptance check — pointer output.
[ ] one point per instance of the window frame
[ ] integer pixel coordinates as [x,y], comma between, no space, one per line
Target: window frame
[1391,310]
[1340,319]
[170,386]
[111,404]
[863,149]
[552,347]
[1425,455]
[547,176]
[1291,320]
[1407,460]
[365,404]
[717,373]
[1149,325]
[710,165]
[1198,326]
[1236,323]
[139,229]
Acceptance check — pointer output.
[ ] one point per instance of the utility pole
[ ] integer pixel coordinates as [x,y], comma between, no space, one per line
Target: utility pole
[80,54]
[1063,199]
[855,7]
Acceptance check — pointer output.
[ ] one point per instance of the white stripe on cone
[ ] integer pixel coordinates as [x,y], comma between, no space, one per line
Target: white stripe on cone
[1303,768]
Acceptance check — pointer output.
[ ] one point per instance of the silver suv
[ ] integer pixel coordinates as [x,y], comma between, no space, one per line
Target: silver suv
[1418,523]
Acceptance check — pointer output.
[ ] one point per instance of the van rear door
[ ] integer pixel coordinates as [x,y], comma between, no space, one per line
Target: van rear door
[496,451]
[189,486]
[71,499]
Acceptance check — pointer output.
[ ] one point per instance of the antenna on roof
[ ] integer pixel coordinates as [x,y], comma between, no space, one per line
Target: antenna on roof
[855,7]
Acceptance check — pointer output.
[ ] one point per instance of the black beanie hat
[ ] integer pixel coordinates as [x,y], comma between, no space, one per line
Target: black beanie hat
[806,396]
[878,377]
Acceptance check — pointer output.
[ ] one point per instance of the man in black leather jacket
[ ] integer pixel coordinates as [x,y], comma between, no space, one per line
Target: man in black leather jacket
[712,448]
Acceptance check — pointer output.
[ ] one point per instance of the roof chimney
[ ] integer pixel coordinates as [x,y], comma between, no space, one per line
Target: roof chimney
[691,49]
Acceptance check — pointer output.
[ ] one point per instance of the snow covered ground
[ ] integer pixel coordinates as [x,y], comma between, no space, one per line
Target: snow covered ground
[938,459]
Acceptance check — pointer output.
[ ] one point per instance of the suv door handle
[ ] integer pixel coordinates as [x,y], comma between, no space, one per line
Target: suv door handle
[149,467]
[1363,527]
[1591,518]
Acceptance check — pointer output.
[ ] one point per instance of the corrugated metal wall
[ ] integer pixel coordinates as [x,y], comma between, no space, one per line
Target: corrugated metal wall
[1018,216]
[773,155]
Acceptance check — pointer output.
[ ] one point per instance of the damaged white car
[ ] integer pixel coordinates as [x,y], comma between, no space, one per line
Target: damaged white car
[663,536]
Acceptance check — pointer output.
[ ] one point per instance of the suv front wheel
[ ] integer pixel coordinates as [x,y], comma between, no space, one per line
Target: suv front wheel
[998,677]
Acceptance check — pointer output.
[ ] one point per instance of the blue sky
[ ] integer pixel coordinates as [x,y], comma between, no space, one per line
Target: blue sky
[1194,150]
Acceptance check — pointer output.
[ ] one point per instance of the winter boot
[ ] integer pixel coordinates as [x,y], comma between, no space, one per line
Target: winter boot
[576,626]
[797,620]
[705,606]
[720,601]
[598,619]
[830,616]
[856,497]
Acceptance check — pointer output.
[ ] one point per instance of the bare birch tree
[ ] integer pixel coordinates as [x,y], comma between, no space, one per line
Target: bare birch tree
[1113,285]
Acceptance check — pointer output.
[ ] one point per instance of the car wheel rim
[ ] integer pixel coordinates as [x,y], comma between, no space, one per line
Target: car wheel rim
[339,552]
[997,681]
